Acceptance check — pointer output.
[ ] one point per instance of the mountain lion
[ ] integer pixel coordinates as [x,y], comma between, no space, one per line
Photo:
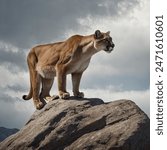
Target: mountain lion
[59,59]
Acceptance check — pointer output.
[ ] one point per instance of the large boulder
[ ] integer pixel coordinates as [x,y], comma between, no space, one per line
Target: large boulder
[86,124]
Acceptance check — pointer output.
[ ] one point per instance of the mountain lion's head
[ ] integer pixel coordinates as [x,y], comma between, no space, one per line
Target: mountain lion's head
[103,41]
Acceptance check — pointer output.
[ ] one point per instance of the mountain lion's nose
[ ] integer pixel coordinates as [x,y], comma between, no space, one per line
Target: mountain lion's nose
[113,45]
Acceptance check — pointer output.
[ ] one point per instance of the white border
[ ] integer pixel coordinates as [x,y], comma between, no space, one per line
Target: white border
[158,142]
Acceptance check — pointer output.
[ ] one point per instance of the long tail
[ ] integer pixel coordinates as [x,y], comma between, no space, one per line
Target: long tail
[29,96]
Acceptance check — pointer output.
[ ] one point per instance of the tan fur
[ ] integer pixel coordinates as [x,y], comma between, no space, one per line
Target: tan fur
[59,59]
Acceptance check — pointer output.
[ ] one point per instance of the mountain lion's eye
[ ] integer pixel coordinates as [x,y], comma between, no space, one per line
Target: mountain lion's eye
[106,41]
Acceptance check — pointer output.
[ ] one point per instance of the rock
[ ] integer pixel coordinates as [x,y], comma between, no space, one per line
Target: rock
[87,124]
[5,132]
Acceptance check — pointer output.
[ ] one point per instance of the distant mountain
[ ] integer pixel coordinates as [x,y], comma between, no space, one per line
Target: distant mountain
[5,132]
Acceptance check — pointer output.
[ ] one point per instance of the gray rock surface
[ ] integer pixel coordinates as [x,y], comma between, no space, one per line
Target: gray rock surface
[87,124]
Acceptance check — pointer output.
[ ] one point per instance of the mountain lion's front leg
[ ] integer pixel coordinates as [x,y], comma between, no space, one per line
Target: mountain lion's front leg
[76,78]
[61,80]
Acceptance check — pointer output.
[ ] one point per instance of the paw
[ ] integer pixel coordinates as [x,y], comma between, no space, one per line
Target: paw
[39,105]
[51,98]
[64,95]
[79,95]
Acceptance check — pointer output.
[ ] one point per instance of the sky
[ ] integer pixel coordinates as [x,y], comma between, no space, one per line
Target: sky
[122,74]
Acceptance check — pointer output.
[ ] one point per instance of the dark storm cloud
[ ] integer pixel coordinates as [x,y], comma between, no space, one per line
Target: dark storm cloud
[25,23]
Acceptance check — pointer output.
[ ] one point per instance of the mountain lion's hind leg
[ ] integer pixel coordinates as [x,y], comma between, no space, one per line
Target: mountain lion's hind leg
[36,87]
[45,91]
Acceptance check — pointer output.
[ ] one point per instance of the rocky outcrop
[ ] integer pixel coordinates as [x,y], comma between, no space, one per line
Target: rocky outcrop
[86,124]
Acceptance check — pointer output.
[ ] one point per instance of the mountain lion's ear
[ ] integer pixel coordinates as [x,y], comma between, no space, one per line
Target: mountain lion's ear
[108,32]
[98,34]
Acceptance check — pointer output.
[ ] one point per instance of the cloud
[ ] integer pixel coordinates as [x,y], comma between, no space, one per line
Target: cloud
[141,98]
[15,114]
[25,23]
[128,64]
[12,58]
[10,79]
